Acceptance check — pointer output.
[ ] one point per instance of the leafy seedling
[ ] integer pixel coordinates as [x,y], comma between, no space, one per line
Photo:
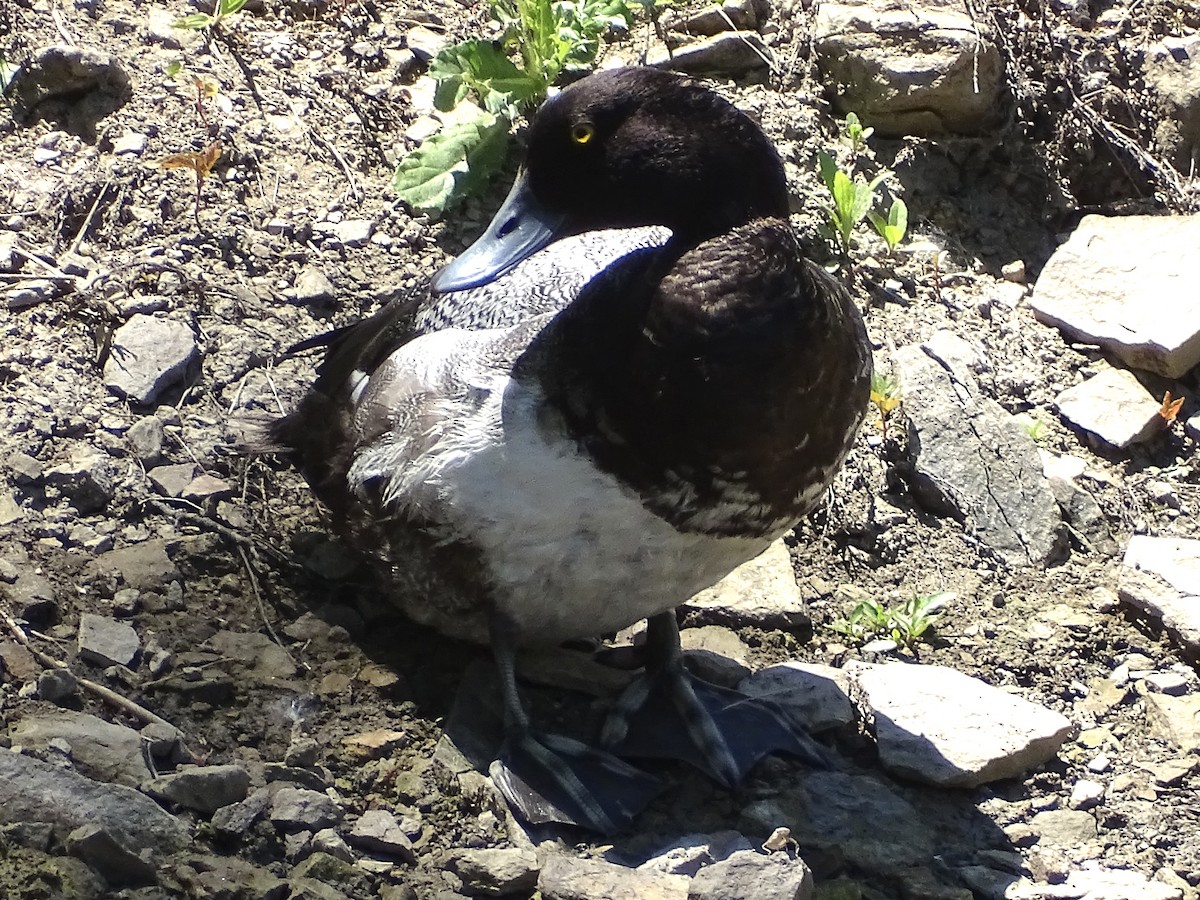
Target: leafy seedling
[1169,411]
[201,164]
[546,38]
[850,199]
[905,624]
[1034,427]
[222,9]
[855,133]
[885,395]
[892,228]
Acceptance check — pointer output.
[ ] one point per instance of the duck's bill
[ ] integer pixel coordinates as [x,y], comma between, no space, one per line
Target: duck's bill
[520,228]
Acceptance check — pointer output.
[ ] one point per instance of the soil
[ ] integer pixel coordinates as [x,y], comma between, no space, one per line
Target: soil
[311,114]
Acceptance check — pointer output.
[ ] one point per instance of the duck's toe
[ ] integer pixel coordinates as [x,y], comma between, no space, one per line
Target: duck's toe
[672,714]
[551,778]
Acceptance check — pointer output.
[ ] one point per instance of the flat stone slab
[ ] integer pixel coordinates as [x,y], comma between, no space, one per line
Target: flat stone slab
[939,726]
[814,697]
[1130,284]
[972,460]
[762,592]
[1161,576]
[148,355]
[107,641]
[1114,406]
[104,751]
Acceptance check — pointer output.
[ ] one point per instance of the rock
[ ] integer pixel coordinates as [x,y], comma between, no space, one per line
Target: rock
[1092,881]
[1172,73]
[909,69]
[727,53]
[144,567]
[148,355]
[749,875]
[74,85]
[104,751]
[815,698]
[1064,827]
[378,831]
[312,285]
[296,809]
[205,487]
[202,788]
[992,734]
[1167,683]
[1086,794]
[54,685]
[1175,719]
[18,662]
[1114,406]
[172,480]
[10,510]
[1118,282]
[760,593]
[375,744]
[106,641]
[32,598]
[425,42]
[269,662]
[87,480]
[972,459]
[1161,577]
[24,468]
[572,878]
[96,846]
[736,14]
[328,841]
[688,854]
[235,819]
[1084,515]
[145,438]
[715,654]
[503,872]
[33,791]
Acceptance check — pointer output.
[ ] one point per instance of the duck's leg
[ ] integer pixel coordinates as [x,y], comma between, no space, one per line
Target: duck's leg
[552,778]
[669,713]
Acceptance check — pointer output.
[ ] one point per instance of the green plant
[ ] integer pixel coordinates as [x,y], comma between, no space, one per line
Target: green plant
[906,624]
[885,395]
[205,86]
[221,10]
[1035,428]
[855,133]
[893,227]
[547,38]
[850,198]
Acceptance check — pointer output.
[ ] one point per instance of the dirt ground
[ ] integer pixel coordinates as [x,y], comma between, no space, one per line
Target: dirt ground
[311,113]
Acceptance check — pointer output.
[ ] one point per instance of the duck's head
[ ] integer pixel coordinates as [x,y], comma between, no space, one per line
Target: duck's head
[628,147]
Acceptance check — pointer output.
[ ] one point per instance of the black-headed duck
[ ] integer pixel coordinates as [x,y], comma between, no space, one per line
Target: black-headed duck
[632,383]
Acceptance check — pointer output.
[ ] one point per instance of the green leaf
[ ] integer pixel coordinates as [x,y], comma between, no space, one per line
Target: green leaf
[827,167]
[482,68]
[454,163]
[229,7]
[195,22]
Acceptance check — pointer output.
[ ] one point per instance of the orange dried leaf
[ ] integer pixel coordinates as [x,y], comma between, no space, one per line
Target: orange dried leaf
[1170,408]
[201,163]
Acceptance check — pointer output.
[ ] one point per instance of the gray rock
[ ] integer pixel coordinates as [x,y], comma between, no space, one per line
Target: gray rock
[748,875]
[312,285]
[107,642]
[727,53]
[761,593]
[87,480]
[992,734]
[1064,827]
[24,468]
[295,809]
[327,840]
[1175,720]
[148,355]
[1167,683]
[32,598]
[235,820]
[145,438]
[378,831]
[503,872]
[1114,406]
[172,480]
[202,788]
[104,751]
[909,69]
[571,878]
[816,698]
[425,42]
[145,566]
[715,654]
[96,846]
[1117,283]
[10,510]
[269,661]
[731,15]
[54,685]
[1086,794]
[33,791]
[1161,577]
[1093,881]
[75,85]
[1083,514]
[688,854]
[973,460]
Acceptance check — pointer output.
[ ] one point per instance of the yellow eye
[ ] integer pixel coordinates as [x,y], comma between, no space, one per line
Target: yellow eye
[582,132]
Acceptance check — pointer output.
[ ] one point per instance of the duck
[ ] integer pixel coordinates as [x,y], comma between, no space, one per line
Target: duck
[633,382]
